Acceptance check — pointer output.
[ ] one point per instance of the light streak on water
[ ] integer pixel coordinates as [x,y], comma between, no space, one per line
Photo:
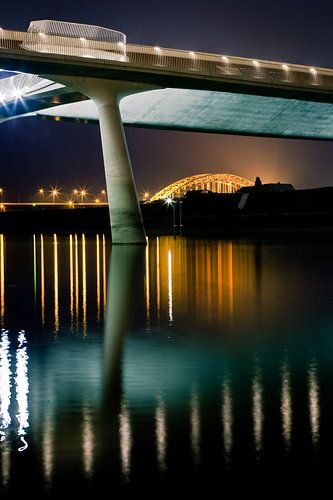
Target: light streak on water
[22,389]
[230,278]
[2,277]
[125,435]
[195,425]
[56,284]
[257,408]
[71,280]
[87,442]
[42,279]
[286,406]
[5,383]
[98,279]
[314,404]
[76,248]
[47,447]
[35,268]
[161,433]
[158,279]
[147,284]
[84,286]
[170,303]
[104,273]
[227,418]
[5,464]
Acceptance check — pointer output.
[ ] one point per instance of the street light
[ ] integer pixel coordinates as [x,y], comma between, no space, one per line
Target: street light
[41,193]
[83,193]
[54,193]
[1,194]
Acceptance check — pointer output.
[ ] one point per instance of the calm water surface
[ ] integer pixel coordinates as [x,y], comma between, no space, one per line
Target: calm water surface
[189,363]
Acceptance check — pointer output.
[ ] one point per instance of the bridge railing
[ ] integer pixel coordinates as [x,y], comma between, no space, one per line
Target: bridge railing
[166,60]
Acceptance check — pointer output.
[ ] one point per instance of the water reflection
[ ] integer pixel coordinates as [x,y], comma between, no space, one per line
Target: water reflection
[125,435]
[286,405]
[2,278]
[42,279]
[88,441]
[5,465]
[257,407]
[227,418]
[22,389]
[35,268]
[56,285]
[147,285]
[98,279]
[195,425]
[170,298]
[5,383]
[314,405]
[172,362]
[161,433]
[84,286]
[104,271]
[48,448]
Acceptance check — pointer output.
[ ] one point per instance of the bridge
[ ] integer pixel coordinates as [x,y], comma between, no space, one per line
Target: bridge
[218,183]
[81,72]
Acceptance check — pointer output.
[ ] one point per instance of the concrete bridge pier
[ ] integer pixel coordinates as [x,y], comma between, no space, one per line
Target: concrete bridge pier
[125,215]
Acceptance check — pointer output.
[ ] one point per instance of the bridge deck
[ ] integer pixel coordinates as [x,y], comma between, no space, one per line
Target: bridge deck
[198,91]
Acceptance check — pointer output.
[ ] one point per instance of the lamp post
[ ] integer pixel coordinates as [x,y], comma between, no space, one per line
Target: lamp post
[54,193]
[170,202]
[180,216]
[83,193]
[1,194]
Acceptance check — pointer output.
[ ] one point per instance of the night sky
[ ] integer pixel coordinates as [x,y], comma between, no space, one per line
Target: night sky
[36,153]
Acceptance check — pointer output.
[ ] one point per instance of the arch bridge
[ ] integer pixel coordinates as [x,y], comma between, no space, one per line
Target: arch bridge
[218,183]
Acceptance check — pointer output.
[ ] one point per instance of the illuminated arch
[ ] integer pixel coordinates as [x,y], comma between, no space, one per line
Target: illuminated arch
[218,183]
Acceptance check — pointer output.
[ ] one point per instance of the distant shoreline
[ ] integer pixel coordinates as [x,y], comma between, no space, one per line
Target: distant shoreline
[211,215]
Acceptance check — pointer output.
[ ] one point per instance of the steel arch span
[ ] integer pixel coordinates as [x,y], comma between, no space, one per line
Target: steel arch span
[218,183]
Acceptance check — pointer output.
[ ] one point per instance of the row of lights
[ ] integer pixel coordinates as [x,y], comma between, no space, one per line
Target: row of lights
[55,192]
[192,54]
[82,193]
[226,60]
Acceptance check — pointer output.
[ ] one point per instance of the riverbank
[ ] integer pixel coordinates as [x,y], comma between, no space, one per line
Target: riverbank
[201,214]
